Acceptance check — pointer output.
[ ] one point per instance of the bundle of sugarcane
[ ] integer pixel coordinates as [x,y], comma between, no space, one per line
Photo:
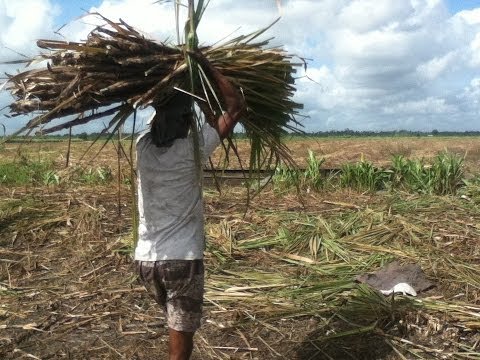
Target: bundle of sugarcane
[117,70]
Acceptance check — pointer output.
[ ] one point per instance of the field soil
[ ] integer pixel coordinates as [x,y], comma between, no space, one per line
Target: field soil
[336,151]
[68,289]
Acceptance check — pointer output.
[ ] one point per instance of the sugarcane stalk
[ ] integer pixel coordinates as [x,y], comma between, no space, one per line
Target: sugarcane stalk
[118,65]
[133,186]
[192,46]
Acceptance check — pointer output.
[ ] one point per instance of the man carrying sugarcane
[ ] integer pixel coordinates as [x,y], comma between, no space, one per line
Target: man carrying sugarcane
[169,253]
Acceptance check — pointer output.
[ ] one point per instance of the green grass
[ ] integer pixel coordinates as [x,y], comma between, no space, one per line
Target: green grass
[286,177]
[25,172]
[29,172]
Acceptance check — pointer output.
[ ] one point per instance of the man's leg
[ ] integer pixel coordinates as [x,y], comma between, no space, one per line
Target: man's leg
[180,344]
[184,282]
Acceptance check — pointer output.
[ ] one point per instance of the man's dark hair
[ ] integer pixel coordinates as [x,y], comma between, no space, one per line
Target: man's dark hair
[172,120]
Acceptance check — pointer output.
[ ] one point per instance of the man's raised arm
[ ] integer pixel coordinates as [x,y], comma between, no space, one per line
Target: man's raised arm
[233,100]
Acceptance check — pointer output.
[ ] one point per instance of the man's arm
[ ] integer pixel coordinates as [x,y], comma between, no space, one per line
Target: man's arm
[234,103]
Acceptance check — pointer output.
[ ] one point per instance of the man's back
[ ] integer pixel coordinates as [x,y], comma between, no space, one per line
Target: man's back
[169,198]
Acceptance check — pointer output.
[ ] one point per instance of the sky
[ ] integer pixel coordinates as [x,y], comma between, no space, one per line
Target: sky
[375,65]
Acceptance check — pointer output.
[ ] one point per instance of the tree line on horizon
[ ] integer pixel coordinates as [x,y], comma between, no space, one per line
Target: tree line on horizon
[311,134]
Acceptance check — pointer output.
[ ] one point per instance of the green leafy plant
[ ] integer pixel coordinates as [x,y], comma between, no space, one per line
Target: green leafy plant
[443,176]
[100,175]
[448,172]
[51,178]
[363,176]
[410,175]
[286,177]
[313,176]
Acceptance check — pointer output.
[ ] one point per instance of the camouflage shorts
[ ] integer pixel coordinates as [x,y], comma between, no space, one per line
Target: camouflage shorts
[177,285]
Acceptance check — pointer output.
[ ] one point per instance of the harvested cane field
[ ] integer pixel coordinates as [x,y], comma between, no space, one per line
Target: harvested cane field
[280,273]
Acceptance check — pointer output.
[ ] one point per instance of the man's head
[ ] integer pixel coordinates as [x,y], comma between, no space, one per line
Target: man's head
[172,120]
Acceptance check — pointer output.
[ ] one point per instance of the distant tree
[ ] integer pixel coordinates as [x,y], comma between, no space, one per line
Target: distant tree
[434,132]
[83,136]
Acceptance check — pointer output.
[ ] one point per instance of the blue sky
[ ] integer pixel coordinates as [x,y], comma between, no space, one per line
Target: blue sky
[376,64]
[457,5]
[71,9]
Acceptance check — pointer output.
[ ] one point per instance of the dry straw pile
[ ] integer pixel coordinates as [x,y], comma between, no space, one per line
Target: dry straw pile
[117,70]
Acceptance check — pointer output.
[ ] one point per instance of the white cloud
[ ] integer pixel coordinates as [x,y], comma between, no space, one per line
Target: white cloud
[433,68]
[429,105]
[377,44]
[154,20]
[475,51]
[22,23]
[367,15]
[320,86]
[471,17]
[470,96]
